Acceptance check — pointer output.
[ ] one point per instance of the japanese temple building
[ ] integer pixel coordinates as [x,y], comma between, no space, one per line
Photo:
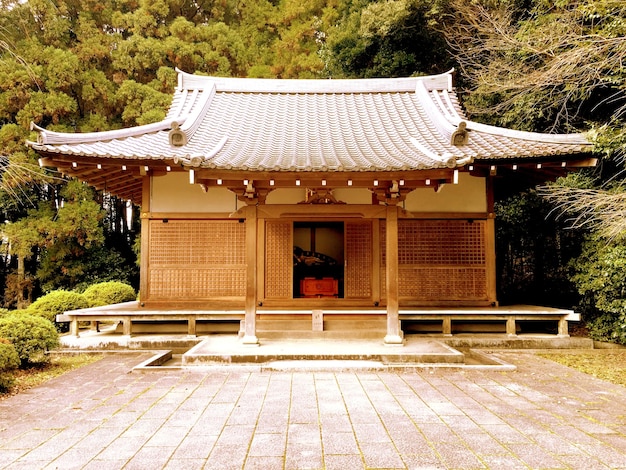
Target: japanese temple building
[288,197]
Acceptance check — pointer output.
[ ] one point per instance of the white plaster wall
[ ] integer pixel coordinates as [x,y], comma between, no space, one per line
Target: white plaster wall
[286,196]
[469,195]
[174,193]
[353,196]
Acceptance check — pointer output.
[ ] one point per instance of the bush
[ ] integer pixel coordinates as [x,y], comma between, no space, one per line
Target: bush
[31,335]
[58,301]
[599,277]
[110,292]
[9,360]
[608,328]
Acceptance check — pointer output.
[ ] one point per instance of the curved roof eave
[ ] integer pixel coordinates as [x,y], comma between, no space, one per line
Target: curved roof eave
[396,124]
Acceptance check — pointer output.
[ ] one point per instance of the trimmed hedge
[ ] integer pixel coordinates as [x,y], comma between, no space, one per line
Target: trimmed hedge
[9,360]
[31,335]
[55,302]
[110,292]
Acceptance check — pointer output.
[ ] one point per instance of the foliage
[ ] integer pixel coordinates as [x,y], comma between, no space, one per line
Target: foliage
[31,335]
[539,65]
[9,360]
[546,66]
[57,302]
[533,251]
[111,292]
[387,39]
[69,241]
[586,205]
[599,278]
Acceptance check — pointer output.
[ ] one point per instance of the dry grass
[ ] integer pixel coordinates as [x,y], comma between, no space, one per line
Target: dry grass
[58,365]
[610,366]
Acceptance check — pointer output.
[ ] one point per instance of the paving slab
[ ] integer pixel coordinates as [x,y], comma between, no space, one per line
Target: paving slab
[109,416]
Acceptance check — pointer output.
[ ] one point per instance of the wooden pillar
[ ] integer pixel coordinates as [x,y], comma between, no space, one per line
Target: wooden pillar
[394,333]
[490,245]
[249,336]
[145,240]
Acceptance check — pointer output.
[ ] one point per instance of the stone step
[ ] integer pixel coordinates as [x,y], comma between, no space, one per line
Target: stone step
[222,349]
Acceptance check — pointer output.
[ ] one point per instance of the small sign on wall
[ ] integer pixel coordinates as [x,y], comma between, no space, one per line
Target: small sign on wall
[318,320]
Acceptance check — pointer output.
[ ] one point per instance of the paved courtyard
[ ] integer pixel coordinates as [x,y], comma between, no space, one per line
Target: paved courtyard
[541,416]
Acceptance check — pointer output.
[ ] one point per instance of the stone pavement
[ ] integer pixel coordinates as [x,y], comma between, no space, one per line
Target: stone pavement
[541,416]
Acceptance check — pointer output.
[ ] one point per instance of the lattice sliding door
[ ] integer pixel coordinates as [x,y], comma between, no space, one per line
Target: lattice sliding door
[278,260]
[196,259]
[359,260]
[440,260]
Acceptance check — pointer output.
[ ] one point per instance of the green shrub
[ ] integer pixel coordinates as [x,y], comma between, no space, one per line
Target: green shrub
[55,302]
[599,277]
[31,335]
[110,292]
[9,360]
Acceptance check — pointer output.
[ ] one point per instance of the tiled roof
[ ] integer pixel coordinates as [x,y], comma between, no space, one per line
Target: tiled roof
[312,125]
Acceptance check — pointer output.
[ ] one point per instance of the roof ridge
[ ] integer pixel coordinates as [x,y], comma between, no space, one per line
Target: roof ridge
[575,138]
[188,81]
[52,137]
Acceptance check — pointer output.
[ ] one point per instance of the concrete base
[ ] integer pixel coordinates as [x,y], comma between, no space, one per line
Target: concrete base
[222,349]
[488,341]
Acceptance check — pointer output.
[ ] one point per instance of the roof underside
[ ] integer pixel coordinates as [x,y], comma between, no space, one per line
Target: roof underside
[293,126]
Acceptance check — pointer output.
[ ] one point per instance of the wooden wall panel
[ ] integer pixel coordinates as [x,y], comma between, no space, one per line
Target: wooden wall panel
[440,260]
[359,260]
[196,259]
[278,260]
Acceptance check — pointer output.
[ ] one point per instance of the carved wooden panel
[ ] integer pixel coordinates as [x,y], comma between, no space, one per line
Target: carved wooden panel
[196,259]
[278,260]
[359,260]
[440,260]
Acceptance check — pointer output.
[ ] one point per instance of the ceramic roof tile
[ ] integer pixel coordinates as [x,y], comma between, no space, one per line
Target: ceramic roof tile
[313,125]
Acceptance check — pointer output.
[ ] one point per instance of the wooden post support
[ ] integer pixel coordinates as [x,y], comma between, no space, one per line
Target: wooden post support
[446,326]
[394,333]
[511,329]
[249,337]
[127,326]
[191,325]
[74,327]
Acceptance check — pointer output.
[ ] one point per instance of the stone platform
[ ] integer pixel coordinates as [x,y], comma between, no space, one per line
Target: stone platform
[183,351]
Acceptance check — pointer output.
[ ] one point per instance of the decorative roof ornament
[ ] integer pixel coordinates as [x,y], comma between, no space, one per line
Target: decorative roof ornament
[460,136]
[177,137]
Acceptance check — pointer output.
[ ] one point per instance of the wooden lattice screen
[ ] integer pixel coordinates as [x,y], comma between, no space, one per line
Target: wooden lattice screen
[440,260]
[359,265]
[196,259]
[278,260]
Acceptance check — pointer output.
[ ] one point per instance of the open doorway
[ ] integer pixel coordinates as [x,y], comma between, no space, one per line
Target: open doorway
[318,253]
